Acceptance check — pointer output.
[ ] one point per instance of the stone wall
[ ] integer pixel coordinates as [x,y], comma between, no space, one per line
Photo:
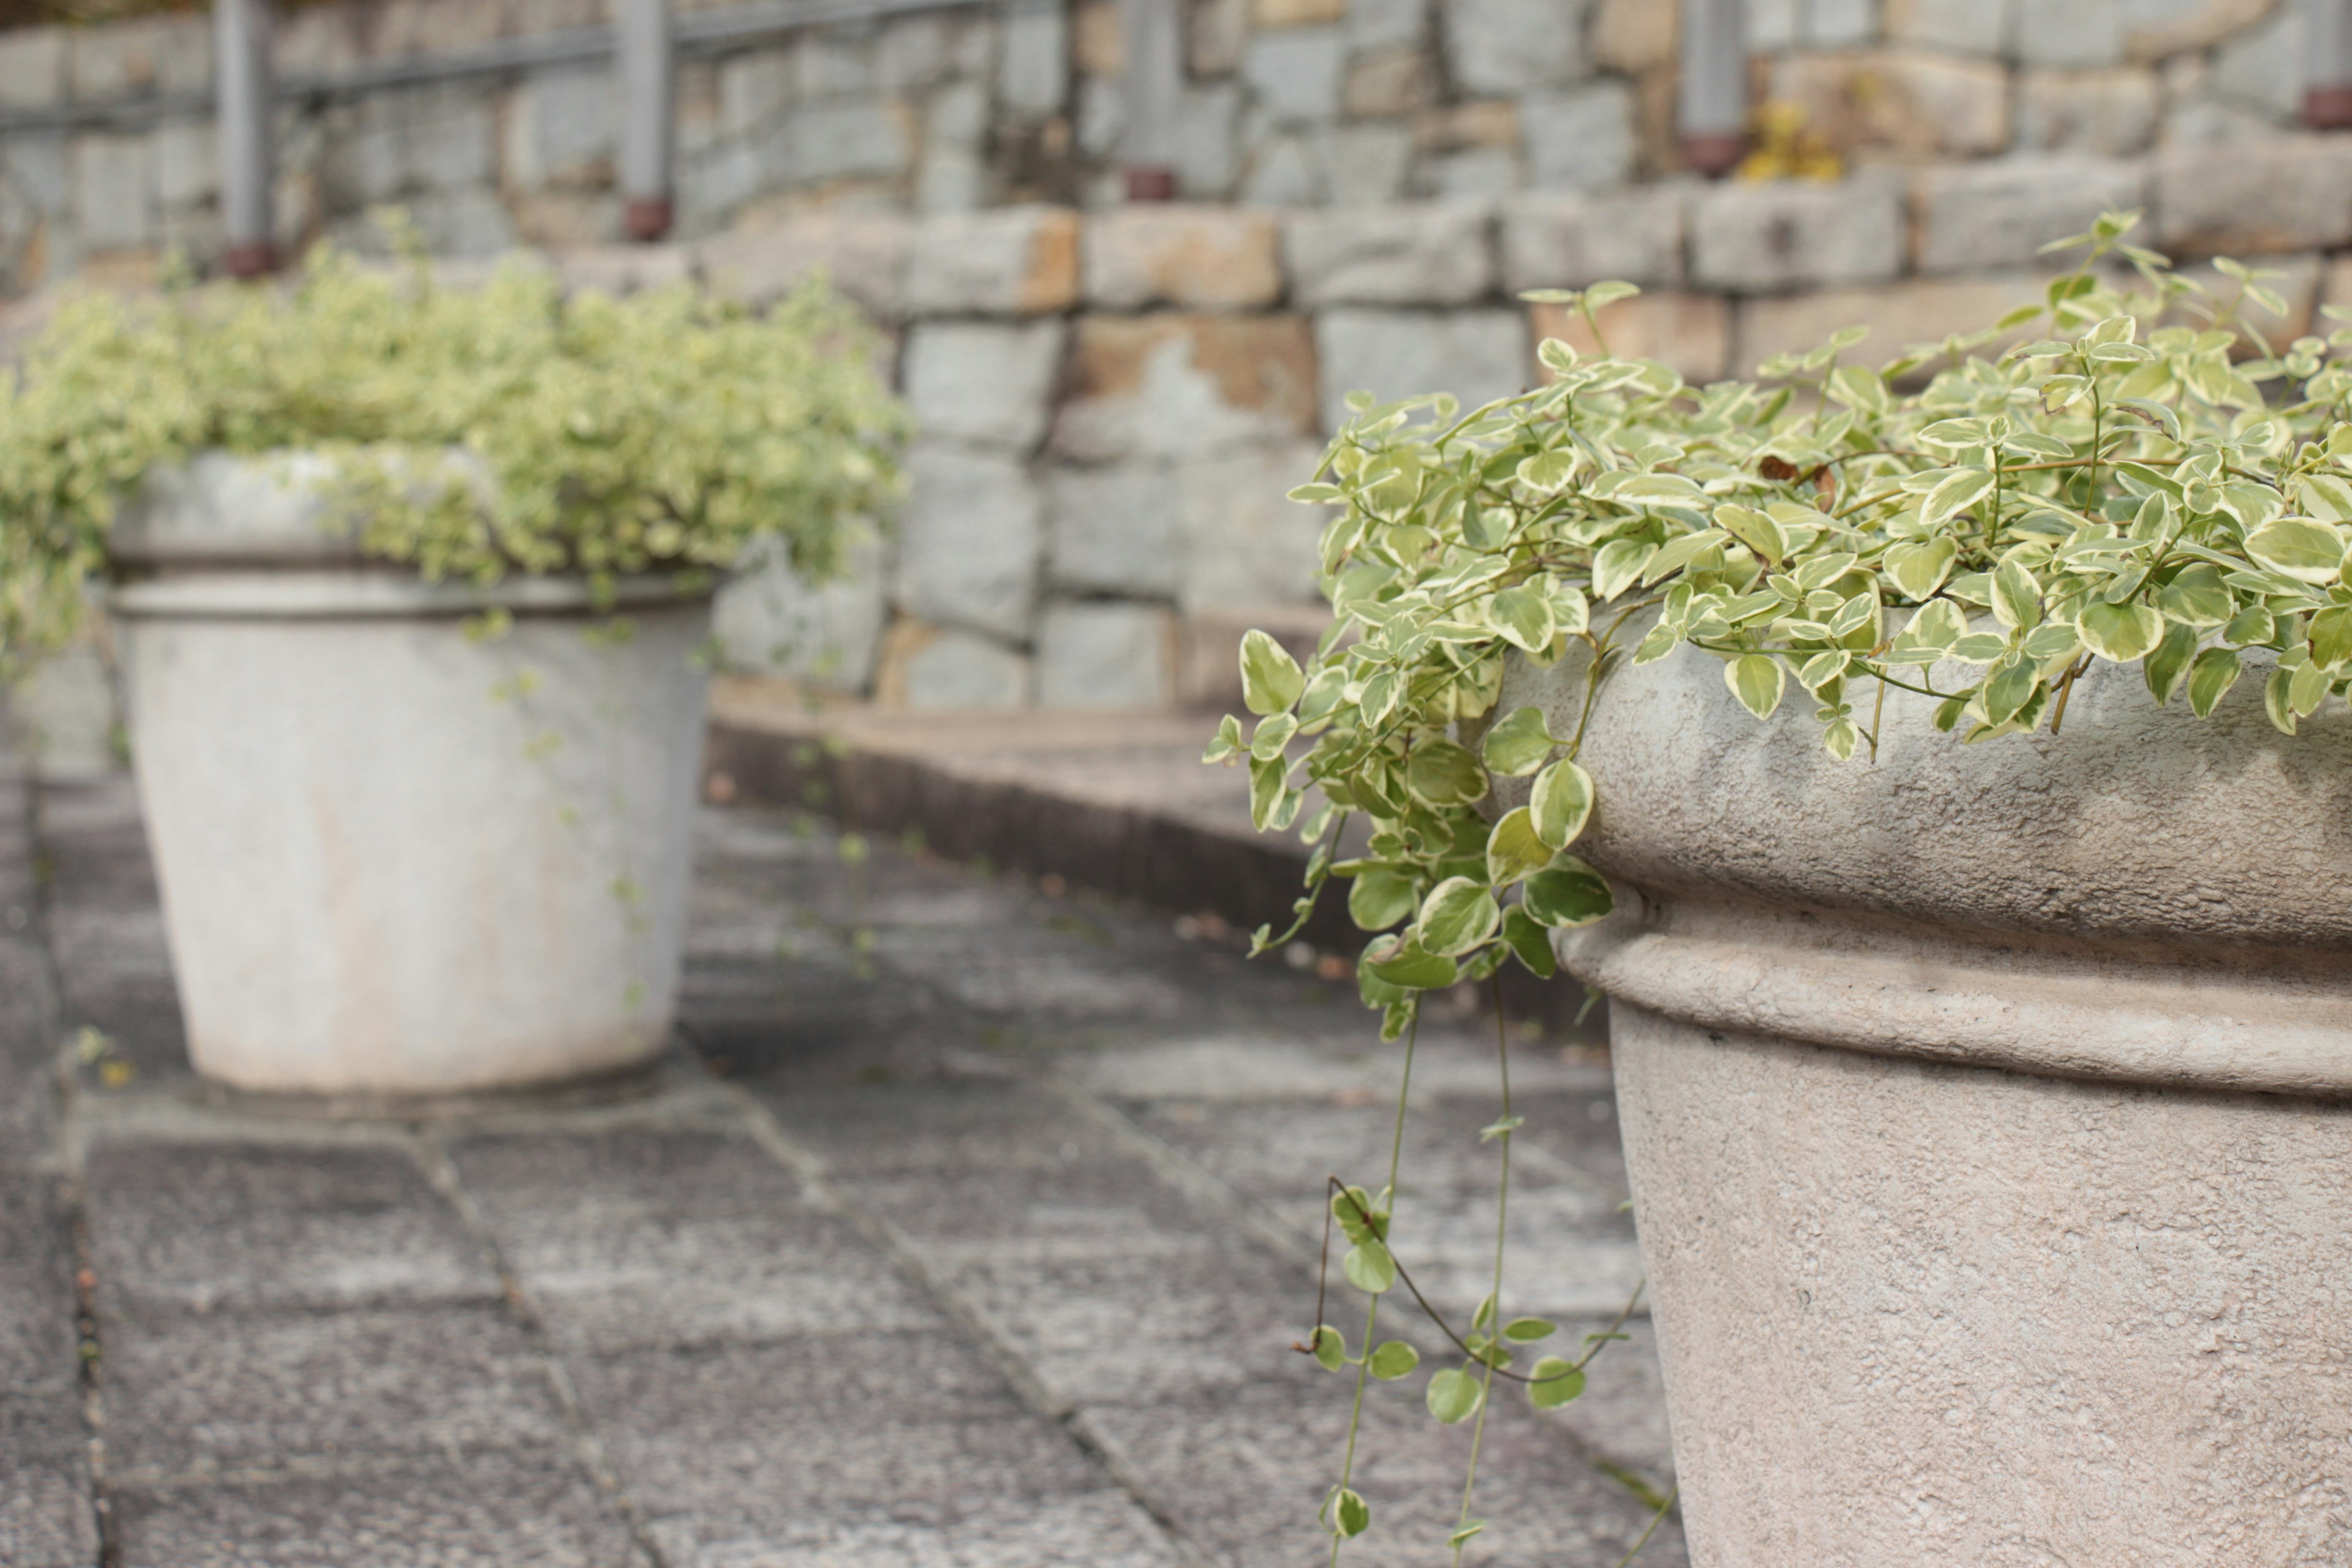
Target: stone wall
[1114,398]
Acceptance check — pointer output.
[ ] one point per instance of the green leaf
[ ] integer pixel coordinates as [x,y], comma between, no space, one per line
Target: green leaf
[2304,550]
[1330,1347]
[2275,701]
[1757,680]
[1570,893]
[1351,1514]
[1271,678]
[1754,529]
[1527,1331]
[1457,916]
[1453,1395]
[1555,1382]
[2168,666]
[1360,1218]
[1228,743]
[1444,773]
[1919,570]
[1517,745]
[1561,803]
[2016,596]
[1524,617]
[2331,636]
[1369,1267]
[1530,942]
[1501,1128]
[1617,566]
[1514,849]
[1961,490]
[2012,685]
[1464,1534]
[1394,1360]
[1269,785]
[1267,740]
[2211,677]
[1380,899]
[2122,633]
[1415,968]
[2197,597]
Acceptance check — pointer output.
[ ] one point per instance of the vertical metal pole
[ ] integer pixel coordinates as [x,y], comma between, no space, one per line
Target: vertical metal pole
[1712,111]
[1152,33]
[648,110]
[241,64]
[2328,65]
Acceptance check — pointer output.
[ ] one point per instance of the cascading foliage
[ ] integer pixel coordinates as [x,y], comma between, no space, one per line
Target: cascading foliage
[482,431]
[2146,480]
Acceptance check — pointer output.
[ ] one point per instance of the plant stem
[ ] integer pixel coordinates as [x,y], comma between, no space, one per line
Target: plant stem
[1657,1518]
[1372,1317]
[1494,1324]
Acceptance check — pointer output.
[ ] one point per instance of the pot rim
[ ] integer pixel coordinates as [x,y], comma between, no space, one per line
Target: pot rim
[361,594]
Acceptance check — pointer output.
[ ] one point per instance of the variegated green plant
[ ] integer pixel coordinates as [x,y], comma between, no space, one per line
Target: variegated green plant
[664,431]
[2144,481]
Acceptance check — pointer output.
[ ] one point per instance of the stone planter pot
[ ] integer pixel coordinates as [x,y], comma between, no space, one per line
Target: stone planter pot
[396,861]
[1988,1116]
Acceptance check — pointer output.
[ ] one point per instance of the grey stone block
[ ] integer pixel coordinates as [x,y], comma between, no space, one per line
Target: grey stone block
[1509,45]
[1245,541]
[2263,66]
[1772,26]
[1103,1529]
[2073,34]
[2111,112]
[1285,170]
[1471,174]
[37,168]
[1033,71]
[187,163]
[113,178]
[1367,164]
[448,137]
[681,1238]
[1835,24]
[841,140]
[560,128]
[951,671]
[1114,530]
[1983,216]
[1476,354]
[1962,27]
[1293,74]
[914,53]
[1757,238]
[772,620]
[1570,241]
[141,56]
[970,540]
[1106,655]
[753,89]
[46,1516]
[1580,138]
[1391,256]
[1386,24]
[832,64]
[1008,261]
[209,1226]
[989,384]
[194,1394]
[2294,193]
[32,66]
[863,254]
[38,1343]
[490,1512]
[1207,155]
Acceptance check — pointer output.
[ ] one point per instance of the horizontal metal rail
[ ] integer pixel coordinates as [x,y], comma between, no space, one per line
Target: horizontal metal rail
[700,35]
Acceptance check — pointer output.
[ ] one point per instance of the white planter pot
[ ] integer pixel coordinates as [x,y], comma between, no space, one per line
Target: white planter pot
[1988,1116]
[395,861]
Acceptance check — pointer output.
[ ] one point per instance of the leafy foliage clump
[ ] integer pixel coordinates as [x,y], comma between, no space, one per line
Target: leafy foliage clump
[2122,487]
[479,432]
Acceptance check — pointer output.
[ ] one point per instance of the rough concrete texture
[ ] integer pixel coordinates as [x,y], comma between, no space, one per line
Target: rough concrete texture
[1970,1033]
[974,1230]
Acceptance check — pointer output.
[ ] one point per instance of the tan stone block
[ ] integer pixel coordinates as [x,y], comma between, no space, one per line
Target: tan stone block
[1216,34]
[2245,199]
[1017,261]
[1298,12]
[1632,36]
[1385,82]
[2110,112]
[1692,332]
[1897,104]
[2178,31]
[1098,45]
[1203,257]
[1179,385]
[864,254]
[1899,316]
[1487,123]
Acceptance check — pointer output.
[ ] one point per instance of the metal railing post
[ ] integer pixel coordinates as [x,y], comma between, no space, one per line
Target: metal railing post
[1153,32]
[1711,112]
[241,65]
[648,47]
[2328,65]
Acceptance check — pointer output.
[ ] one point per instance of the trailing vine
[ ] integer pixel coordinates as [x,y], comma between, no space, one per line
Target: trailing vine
[2144,480]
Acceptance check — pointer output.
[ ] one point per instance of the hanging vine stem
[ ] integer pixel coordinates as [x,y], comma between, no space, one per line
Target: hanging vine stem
[1508,1123]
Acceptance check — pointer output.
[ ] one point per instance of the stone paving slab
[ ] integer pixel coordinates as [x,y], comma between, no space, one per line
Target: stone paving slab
[975,1232]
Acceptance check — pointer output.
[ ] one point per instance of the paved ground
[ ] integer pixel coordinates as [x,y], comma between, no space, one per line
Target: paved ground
[973,1228]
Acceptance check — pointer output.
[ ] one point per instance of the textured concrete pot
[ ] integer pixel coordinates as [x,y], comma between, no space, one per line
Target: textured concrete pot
[1988,1112]
[396,861]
